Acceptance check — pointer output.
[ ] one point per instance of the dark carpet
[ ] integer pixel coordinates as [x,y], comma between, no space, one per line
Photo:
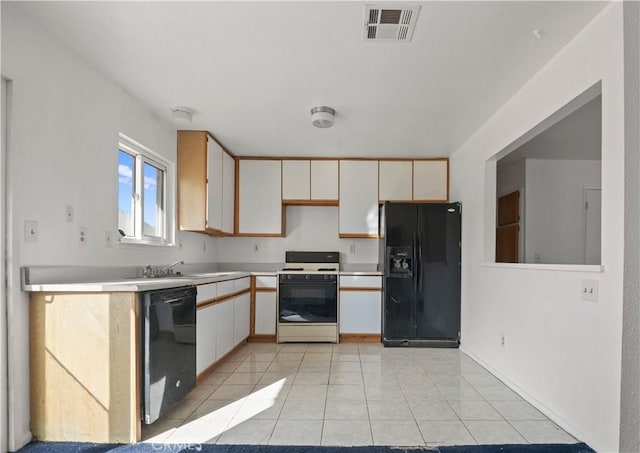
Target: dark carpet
[80,447]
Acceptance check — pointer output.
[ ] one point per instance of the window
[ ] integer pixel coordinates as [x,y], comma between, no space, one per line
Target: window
[142,190]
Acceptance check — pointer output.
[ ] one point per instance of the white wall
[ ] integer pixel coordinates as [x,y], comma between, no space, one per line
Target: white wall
[308,228]
[63,150]
[562,354]
[555,208]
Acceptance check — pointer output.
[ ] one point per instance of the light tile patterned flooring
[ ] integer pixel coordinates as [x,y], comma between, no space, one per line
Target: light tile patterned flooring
[353,394]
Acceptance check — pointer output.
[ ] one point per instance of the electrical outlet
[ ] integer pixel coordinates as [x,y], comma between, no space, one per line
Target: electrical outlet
[537,258]
[352,249]
[108,239]
[502,339]
[82,235]
[589,291]
[204,246]
[255,247]
[69,213]
[180,243]
[30,231]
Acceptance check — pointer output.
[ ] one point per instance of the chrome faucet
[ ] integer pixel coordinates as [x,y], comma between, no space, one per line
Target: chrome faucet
[169,269]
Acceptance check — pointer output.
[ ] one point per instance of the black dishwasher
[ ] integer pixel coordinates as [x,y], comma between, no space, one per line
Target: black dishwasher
[168,349]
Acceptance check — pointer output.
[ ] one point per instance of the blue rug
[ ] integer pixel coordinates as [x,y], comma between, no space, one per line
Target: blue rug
[79,447]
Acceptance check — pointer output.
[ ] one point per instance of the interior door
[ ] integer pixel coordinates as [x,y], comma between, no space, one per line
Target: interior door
[399,291]
[438,300]
[508,228]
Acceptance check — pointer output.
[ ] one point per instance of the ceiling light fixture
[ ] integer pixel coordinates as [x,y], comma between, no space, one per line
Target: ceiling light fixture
[181,114]
[322,116]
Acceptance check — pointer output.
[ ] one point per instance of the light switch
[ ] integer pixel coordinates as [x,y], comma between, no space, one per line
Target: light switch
[589,290]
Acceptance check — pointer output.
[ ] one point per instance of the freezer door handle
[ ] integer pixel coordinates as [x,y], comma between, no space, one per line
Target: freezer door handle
[419,265]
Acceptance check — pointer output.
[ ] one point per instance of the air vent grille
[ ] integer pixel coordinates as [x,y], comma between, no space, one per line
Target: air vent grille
[390,23]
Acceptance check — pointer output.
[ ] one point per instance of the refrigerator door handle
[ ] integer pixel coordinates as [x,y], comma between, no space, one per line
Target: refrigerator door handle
[419,262]
[416,263]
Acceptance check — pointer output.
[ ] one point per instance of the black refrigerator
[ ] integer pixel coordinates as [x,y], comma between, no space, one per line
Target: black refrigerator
[420,261]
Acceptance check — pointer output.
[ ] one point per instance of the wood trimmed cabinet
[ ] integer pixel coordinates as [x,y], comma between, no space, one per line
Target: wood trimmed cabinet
[260,210]
[310,182]
[414,180]
[222,321]
[263,308]
[206,185]
[360,308]
[358,209]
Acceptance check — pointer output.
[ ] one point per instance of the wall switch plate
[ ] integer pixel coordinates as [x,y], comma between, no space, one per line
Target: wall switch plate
[204,246]
[255,247]
[30,231]
[108,239]
[352,249]
[180,243]
[82,235]
[69,213]
[589,291]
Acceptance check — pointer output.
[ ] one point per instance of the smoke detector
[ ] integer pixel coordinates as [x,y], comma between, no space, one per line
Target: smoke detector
[322,117]
[181,114]
[390,22]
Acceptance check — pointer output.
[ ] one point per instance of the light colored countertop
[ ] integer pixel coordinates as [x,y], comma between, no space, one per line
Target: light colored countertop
[118,279]
[135,284]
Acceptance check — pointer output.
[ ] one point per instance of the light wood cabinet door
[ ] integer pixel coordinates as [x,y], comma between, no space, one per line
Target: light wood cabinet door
[241,315]
[395,180]
[265,312]
[360,312]
[296,180]
[358,198]
[260,198]
[205,338]
[214,185]
[431,180]
[324,180]
[228,192]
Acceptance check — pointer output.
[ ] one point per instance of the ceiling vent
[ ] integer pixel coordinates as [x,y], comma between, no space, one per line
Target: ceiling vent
[390,22]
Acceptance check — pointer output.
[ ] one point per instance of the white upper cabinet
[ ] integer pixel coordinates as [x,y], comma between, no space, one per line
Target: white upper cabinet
[431,180]
[296,180]
[228,192]
[324,180]
[260,198]
[358,198]
[214,185]
[395,180]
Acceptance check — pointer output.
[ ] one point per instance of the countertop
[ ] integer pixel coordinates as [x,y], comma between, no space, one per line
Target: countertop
[135,284]
[116,279]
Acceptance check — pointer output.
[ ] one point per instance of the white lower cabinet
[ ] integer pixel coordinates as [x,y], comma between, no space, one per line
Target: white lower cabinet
[241,314]
[205,338]
[360,312]
[224,328]
[265,313]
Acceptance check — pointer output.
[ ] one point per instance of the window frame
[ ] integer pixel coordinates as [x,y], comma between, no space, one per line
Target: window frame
[141,156]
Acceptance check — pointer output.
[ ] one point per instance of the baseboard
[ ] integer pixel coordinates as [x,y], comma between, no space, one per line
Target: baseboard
[550,413]
[260,338]
[211,368]
[360,338]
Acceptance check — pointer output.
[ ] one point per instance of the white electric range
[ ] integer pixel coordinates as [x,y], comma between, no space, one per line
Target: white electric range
[308,305]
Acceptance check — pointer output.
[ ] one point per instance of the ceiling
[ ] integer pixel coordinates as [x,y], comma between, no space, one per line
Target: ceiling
[252,70]
[577,136]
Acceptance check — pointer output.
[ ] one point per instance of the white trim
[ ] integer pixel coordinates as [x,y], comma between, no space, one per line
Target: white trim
[143,155]
[548,267]
[4,374]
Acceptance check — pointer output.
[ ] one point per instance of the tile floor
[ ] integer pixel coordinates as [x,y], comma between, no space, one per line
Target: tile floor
[353,394]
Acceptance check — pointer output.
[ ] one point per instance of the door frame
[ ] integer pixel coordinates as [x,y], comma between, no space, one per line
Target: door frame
[584,221]
[4,362]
